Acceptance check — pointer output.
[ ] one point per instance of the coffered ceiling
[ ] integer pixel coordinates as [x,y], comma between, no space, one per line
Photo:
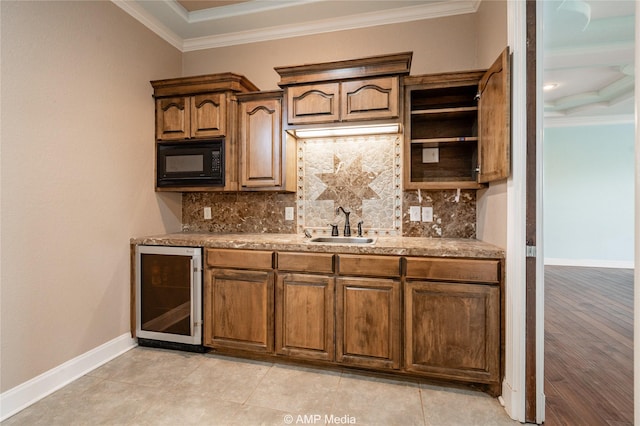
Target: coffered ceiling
[588,44]
[588,58]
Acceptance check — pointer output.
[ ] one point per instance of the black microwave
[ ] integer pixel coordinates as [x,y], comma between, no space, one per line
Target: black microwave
[190,163]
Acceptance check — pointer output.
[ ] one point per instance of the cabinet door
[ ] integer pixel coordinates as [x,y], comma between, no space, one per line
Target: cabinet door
[494,150]
[238,308]
[452,331]
[313,103]
[305,316]
[370,99]
[173,118]
[260,143]
[368,322]
[208,115]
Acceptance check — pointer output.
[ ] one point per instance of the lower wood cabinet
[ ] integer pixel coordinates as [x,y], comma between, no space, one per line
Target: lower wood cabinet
[305,316]
[452,330]
[433,317]
[453,319]
[238,303]
[368,322]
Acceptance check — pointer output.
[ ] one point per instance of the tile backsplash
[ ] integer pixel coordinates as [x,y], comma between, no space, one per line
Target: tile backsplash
[362,174]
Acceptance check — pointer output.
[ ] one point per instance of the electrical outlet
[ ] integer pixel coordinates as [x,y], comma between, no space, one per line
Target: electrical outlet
[288,213]
[430,155]
[427,214]
[207,213]
[414,213]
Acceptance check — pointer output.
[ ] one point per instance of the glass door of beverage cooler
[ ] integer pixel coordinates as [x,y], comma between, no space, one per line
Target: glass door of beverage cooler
[169,294]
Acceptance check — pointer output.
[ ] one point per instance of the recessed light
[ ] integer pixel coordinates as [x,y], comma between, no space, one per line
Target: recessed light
[549,86]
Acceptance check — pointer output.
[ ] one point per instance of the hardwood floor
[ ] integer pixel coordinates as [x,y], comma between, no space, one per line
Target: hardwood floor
[588,346]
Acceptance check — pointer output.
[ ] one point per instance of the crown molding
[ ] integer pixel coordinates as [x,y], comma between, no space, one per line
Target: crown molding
[393,16]
[407,14]
[596,120]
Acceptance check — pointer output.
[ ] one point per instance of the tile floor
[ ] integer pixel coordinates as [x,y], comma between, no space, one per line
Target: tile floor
[158,387]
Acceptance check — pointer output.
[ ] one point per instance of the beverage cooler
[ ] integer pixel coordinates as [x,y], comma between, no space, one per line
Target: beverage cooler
[169,297]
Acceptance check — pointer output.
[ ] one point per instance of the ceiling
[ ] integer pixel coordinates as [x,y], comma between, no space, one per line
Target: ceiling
[588,53]
[588,45]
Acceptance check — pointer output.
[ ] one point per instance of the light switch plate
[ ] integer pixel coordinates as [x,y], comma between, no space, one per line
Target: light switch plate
[207,213]
[414,213]
[427,214]
[288,213]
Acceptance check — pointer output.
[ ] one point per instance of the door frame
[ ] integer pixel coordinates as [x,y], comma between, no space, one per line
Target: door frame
[523,385]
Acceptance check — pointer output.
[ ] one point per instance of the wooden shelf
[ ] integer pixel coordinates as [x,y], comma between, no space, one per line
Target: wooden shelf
[458,139]
[444,110]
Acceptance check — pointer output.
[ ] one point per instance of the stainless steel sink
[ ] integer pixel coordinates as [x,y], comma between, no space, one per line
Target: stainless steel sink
[344,240]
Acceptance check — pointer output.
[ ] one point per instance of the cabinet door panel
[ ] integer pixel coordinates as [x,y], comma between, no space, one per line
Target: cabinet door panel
[368,322]
[208,115]
[494,149]
[172,118]
[316,103]
[369,99]
[305,316]
[260,136]
[238,310]
[453,330]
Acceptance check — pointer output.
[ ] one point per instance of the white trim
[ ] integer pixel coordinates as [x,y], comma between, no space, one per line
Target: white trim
[513,386]
[540,395]
[29,392]
[600,120]
[151,22]
[364,20]
[636,287]
[590,263]
[239,9]
[393,16]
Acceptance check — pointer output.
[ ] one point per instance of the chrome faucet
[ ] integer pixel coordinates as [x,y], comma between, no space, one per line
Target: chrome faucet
[347,227]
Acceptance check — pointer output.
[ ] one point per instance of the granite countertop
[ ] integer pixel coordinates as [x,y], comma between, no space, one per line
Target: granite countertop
[402,246]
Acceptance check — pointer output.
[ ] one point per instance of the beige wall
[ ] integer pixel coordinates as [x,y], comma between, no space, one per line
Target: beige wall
[438,45]
[77,176]
[491,220]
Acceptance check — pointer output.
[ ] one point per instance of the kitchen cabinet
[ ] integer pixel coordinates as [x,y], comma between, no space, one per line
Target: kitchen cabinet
[344,91]
[187,117]
[238,300]
[368,311]
[457,128]
[353,100]
[200,108]
[304,308]
[452,319]
[267,156]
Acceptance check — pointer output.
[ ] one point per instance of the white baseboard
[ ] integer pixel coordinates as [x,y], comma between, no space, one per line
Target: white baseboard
[591,263]
[29,392]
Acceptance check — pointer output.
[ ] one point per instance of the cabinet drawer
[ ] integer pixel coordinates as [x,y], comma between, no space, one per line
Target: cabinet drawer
[246,259]
[306,262]
[378,266]
[467,270]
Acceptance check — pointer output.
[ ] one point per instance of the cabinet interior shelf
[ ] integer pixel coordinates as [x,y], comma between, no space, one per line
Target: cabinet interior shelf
[435,141]
[443,110]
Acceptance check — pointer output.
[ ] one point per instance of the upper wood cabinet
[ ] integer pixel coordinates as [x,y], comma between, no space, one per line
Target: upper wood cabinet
[457,128]
[200,108]
[348,101]
[196,107]
[267,156]
[344,91]
[187,117]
